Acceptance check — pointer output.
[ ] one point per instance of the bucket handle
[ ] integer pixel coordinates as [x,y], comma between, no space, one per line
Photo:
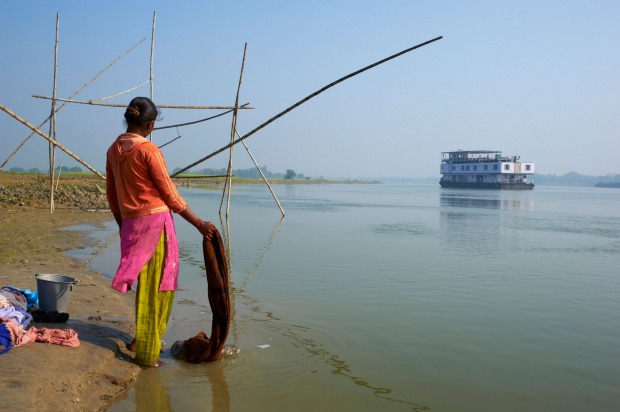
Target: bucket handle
[71,285]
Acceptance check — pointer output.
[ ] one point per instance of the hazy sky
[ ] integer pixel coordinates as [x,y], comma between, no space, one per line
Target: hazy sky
[539,79]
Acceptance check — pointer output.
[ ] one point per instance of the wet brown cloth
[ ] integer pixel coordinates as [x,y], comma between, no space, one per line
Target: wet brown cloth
[201,348]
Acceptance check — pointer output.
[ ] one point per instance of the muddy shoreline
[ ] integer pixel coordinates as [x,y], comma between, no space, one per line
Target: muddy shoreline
[40,376]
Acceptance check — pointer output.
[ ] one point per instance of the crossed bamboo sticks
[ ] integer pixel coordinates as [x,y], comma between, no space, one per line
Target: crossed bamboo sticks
[230,109]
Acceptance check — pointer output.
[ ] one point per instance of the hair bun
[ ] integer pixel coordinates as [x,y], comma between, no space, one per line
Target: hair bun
[133,111]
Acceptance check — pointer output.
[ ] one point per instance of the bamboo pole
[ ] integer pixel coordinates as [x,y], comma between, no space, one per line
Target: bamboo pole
[52,148]
[202,120]
[305,99]
[152,53]
[176,138]
[151,65]
[159,106]
[232,134]
[40,133]
[199,176]
[58,178]
[120,93]
[78,91]
[262,174]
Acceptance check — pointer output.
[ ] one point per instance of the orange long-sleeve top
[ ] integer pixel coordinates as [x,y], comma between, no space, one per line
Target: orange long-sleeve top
[137,179]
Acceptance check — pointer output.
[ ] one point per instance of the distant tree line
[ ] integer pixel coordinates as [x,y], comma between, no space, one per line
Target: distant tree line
[250,173]
[63,169]
[574,179]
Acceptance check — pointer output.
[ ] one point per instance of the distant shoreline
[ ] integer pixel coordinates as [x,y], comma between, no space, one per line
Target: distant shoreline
[615,185]
[205,180]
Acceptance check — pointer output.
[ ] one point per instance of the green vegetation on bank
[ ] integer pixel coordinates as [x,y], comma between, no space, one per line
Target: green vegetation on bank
[197,179]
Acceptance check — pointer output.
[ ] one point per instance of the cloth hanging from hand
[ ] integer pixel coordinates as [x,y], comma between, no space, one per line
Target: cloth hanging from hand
[202,348]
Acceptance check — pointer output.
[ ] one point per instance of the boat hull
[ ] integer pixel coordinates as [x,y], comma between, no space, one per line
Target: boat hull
[490,186]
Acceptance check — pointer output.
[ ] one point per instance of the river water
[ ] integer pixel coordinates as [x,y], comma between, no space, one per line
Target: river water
[400,298]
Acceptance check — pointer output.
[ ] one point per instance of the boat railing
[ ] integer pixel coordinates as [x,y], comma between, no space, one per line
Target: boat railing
[510,159]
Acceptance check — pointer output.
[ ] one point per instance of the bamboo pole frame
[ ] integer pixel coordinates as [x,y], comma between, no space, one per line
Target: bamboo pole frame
[304,100]
[78,91]
[52,118]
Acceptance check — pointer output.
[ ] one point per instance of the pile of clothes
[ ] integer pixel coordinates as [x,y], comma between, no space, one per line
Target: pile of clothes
[17,312]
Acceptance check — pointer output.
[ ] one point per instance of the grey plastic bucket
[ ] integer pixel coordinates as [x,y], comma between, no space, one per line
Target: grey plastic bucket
[54,291]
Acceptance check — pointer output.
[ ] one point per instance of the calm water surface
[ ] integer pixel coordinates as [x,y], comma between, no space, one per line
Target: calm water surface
[401,298]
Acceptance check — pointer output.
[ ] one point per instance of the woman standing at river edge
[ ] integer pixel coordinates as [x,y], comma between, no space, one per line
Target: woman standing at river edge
[142,198]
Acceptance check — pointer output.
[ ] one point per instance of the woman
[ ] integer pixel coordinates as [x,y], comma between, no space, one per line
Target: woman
[142,198]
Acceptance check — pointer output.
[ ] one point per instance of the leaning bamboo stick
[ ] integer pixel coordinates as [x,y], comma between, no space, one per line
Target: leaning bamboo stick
[70,97]
[58,178]
[227,182]
[52,148]
[202,120]
[262,174]
[40,133]
[232,133]
[151,65]
[305,99]
[119,93]
[168,142]
[152,53]
[234,125]
[199,176]
[159,106]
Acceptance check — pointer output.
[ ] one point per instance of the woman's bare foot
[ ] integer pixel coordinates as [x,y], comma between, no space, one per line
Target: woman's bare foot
[132,346]
[157,364]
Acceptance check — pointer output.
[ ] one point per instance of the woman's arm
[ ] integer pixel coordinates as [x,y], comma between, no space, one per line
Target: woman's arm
[205,228]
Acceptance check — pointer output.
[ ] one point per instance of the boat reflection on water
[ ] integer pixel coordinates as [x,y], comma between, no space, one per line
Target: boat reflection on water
[479,221]
[486,200]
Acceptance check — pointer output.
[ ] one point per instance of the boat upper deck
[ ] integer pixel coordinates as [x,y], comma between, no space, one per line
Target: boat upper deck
[476,156]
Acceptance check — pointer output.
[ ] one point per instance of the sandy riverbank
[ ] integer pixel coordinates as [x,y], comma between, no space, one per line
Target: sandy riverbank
[40,376]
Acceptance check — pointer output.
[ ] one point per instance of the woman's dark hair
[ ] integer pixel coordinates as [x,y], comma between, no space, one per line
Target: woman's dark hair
[141,111]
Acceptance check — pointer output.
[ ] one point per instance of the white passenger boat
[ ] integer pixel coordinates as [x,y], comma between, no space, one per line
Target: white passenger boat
[484,169]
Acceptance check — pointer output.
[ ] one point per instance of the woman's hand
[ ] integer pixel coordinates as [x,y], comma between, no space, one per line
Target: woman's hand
[206,229]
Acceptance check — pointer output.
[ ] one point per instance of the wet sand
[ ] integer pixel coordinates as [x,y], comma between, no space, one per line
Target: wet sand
[39,376]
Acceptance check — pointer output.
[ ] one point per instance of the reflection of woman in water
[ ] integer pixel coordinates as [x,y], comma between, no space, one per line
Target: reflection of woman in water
[141,196]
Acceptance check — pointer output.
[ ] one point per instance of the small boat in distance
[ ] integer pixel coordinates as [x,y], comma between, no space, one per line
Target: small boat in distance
[484,169]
